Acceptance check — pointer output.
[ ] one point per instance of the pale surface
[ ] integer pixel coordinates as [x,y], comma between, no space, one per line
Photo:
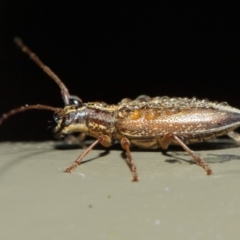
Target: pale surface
[173,200]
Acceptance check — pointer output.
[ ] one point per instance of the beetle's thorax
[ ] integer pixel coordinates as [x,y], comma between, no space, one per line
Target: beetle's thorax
[93,119]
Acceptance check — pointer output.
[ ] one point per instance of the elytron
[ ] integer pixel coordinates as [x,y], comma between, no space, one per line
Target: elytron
[145,122]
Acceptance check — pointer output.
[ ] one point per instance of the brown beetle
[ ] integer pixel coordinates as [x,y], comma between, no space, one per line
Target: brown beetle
[145,122]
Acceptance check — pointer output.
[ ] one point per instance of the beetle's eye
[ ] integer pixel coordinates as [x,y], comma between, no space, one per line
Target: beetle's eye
[56,117]
[74,100]
[69,118]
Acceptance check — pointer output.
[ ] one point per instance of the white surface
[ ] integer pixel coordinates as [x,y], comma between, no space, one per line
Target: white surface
[99,201]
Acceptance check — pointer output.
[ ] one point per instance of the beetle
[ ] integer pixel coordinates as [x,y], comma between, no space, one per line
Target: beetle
[145,122]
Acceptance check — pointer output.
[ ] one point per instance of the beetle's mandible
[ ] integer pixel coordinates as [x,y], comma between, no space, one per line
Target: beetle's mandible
[144,122]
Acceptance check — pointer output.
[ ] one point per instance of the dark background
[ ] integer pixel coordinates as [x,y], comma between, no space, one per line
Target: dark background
[109,51]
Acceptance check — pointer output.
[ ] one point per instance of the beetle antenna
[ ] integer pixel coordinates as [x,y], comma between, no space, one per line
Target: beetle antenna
[64,91]
[30,107]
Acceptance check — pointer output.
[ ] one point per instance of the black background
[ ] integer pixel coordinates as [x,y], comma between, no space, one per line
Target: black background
[112,50]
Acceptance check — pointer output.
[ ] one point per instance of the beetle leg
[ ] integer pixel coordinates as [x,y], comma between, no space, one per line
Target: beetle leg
[168,138]
[103,139]
[78,140]
[126,146]
[234,135]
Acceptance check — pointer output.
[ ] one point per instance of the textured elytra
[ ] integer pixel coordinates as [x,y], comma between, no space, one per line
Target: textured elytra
[191,119]
[166,102]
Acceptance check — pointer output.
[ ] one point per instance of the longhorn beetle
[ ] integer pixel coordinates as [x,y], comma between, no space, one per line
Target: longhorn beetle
[145,122]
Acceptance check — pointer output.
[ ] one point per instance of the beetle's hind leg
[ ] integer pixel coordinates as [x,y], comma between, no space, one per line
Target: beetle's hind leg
[169,138]
[235,136]
[126,146]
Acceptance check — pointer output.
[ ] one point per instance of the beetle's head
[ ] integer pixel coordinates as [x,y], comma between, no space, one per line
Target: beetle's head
[72,120]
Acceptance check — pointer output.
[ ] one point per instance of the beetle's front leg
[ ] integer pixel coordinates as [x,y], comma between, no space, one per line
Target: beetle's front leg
[78,140]
[126,146]
[170,137]
[103,139]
